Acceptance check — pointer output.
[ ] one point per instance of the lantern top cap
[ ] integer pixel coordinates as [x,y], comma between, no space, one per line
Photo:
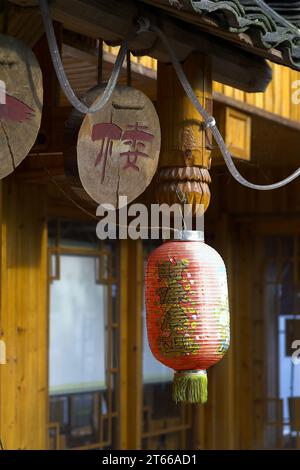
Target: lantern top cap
[185,235]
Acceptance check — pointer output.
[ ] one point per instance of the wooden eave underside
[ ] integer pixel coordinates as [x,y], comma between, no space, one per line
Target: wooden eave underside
[81,65]
[46,165]
[113,20]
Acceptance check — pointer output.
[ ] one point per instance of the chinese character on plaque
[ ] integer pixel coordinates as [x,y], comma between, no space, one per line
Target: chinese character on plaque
[21,102]
[118,147]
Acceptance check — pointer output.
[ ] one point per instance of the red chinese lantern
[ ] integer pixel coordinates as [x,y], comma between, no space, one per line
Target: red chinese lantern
[187,311]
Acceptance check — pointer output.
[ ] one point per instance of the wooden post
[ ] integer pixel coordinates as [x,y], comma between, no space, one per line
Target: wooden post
[123,344]
[135,343]
[185,153]
[224,397]
[131,344]
[24,317]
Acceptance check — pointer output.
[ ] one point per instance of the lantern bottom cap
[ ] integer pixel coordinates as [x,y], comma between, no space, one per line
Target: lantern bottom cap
[190,386]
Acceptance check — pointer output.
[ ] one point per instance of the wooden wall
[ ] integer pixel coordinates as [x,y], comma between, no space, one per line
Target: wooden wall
[231,197]
[236,217]
[23,380]
[227,420]
[277,98]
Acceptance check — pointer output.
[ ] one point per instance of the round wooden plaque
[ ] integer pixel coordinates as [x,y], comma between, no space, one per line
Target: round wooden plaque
[118,147]
[21,101]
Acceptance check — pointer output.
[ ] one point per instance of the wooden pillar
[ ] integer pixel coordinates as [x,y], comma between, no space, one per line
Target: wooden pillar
[186,145]
[131,343]
[123,397]
[24,322]
[223,400]
[135,343]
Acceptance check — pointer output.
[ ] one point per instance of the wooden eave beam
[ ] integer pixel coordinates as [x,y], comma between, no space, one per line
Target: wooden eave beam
[113,20]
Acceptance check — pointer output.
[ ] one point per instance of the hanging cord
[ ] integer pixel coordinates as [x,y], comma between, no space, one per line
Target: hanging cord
[59,68]
[210,122]
[144,26]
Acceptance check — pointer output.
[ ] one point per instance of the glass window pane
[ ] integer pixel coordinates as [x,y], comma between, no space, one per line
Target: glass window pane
[83,340]
[77,327]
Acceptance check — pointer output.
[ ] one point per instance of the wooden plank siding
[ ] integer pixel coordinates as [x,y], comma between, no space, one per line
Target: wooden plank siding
[144,61]
[82,68]
[24,323]
[235,217]
[277,99]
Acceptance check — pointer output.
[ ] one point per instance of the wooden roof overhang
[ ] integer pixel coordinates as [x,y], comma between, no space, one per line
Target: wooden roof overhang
[233,63]
[238,34]
[251,24]
[236,60]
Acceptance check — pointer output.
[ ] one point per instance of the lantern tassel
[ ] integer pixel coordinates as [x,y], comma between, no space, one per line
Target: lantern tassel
[190,386]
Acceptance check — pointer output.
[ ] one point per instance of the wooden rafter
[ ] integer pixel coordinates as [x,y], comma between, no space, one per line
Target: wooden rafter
[114,19]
